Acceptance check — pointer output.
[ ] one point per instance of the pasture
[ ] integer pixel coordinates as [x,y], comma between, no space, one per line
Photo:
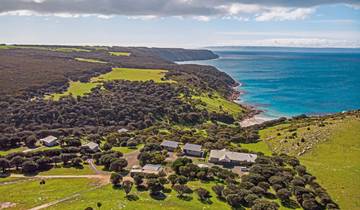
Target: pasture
[120,53]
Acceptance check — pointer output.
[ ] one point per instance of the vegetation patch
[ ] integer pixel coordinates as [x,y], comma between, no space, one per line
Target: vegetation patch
[217,103]
[329,147]
[67,170]
[76,88]
[90,60]
[125,150]
[120,53]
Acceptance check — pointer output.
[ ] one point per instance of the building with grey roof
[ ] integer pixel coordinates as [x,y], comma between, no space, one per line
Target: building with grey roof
[123,130]
[233,158]
[170,145]
[49,141]
[146,169]
[93,146]
[193,150]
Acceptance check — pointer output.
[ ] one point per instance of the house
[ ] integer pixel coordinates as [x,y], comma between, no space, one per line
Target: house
[193,150]
[233,158]
[170,145]
[123,130]
[49,141]
[93,146]
[146,169]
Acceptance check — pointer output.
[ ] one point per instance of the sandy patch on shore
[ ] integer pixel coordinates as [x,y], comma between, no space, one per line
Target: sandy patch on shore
[257,119]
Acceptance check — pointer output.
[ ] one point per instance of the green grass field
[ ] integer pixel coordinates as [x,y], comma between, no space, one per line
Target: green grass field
[333,158]
[57,49]
[90,60]
[115,199]
[30,193]
[6,152]
[217,104]
[260,146]
[125,150]
[120,53]
[59,170]
[336,164]
[77,88]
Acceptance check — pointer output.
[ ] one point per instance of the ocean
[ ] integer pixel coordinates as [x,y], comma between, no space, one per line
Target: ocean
[293,81]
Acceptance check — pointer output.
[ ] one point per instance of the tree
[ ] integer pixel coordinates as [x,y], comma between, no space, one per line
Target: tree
[173,179]
[251,198]
[30,141]
[262,204]
[310,204]
[107,146]
[234,200]
[127,186]
[181,180]
[203,194]
[116,178]
[17,161]
[77,161]
[98,204]
[182,189]
[56,159]
[4,164]
[118,165]
[283,194]
[218,189]
[29,167]
[180,162]
[155,186]
[138,179]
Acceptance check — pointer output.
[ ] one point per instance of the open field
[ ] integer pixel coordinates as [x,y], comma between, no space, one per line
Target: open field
[120,53]
[90,60]
[217,103]
[115,199]
[133,75]
[336,164]
[332,158]
[30,193]
[60,170]
[6,152]
[81,88]
[125,150]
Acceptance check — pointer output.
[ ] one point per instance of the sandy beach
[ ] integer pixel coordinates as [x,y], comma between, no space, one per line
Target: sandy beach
[257,119]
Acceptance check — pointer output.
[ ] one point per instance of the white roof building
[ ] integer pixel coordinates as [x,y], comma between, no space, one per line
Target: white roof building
[226,156]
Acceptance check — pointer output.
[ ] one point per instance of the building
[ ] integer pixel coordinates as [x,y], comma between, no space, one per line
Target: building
[123,130]
[49,141]
[146,169]
[193,150]
[232,158]
[170,145]
[93,146]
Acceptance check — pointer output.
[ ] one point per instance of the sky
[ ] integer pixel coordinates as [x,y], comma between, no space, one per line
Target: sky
[182,23]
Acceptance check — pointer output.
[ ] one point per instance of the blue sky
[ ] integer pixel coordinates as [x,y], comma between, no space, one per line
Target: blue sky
[173,24]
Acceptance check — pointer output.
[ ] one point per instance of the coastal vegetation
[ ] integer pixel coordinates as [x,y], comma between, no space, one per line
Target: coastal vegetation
[127,107]
[120,53]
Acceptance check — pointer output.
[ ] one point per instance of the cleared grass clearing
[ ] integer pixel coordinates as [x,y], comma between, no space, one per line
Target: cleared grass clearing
[115,199]
[120,53]
[217,103]
[60,170]
[78,88]
[132,74]
[260,146]
[125,150]
[75,89]
[90,60]
[6,152]
[30,193]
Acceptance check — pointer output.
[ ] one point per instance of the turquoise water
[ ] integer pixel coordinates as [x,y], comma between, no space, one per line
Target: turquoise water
[290,81]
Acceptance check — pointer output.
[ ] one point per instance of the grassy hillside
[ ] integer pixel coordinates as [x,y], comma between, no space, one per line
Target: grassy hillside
[329,147]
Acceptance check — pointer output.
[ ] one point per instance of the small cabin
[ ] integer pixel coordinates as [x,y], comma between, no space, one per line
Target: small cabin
[49,141]
[193,150]
[170,145]
[93,146]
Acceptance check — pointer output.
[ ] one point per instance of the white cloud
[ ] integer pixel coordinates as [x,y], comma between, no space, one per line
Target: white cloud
[281,14]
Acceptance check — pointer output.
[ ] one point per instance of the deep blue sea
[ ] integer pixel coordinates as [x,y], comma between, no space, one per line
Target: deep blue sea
[293,81]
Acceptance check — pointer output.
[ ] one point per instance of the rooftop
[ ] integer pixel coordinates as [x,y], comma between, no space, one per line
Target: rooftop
[172,144]
[152,167]
[92,145]
[192,147]
[49,139]
[226,156]
[123,130]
